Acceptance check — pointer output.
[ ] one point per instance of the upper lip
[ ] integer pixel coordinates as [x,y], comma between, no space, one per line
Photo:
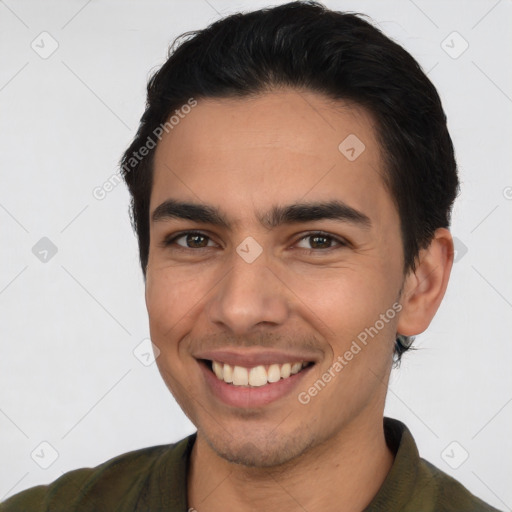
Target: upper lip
[250,358]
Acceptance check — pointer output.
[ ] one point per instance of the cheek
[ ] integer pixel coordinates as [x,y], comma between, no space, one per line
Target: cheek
[341,298]
[167,302]
[175,296]
[168,299]
[345,306]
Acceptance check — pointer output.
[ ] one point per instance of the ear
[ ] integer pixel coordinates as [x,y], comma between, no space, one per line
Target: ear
[424,288]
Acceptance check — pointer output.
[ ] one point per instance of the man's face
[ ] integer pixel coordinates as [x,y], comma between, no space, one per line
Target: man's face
[306,297]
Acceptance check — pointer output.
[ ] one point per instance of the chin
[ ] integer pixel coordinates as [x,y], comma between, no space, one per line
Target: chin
[260,451]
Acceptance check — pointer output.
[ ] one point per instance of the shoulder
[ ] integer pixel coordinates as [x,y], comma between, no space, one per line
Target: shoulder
[122,479]
[416,485]
[451,495]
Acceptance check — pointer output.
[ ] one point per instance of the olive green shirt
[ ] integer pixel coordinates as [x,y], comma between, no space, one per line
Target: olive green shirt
[155,479]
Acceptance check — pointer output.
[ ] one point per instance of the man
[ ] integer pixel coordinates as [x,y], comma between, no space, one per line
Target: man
[292,222]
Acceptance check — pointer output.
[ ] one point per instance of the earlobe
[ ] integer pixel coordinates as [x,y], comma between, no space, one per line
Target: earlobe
[424,288]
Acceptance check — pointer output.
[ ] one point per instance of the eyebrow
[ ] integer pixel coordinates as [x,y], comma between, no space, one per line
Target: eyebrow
[276,216]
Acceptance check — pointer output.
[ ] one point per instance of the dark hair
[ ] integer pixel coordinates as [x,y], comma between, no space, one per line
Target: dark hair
[304,45]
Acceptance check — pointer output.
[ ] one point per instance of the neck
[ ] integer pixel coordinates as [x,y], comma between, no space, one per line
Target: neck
[348,468]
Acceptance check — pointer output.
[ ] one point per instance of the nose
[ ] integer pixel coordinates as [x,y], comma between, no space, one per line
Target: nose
[250,296]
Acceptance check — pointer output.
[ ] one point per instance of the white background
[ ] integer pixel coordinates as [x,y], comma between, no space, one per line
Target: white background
[68,375]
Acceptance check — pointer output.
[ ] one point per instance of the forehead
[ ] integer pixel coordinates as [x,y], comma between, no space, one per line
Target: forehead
[275,148]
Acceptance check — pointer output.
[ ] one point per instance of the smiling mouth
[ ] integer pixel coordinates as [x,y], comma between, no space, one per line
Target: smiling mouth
[256,376]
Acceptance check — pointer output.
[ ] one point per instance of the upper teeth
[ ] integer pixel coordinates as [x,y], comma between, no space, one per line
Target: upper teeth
[257,376]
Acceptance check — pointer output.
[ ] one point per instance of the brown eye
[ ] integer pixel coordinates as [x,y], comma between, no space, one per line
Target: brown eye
[321,241]
[190,240]
[195,240]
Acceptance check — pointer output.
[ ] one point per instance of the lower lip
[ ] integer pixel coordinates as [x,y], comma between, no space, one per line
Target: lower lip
[251,397]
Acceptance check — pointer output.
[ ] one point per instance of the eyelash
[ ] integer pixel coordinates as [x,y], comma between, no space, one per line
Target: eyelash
[342,243]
